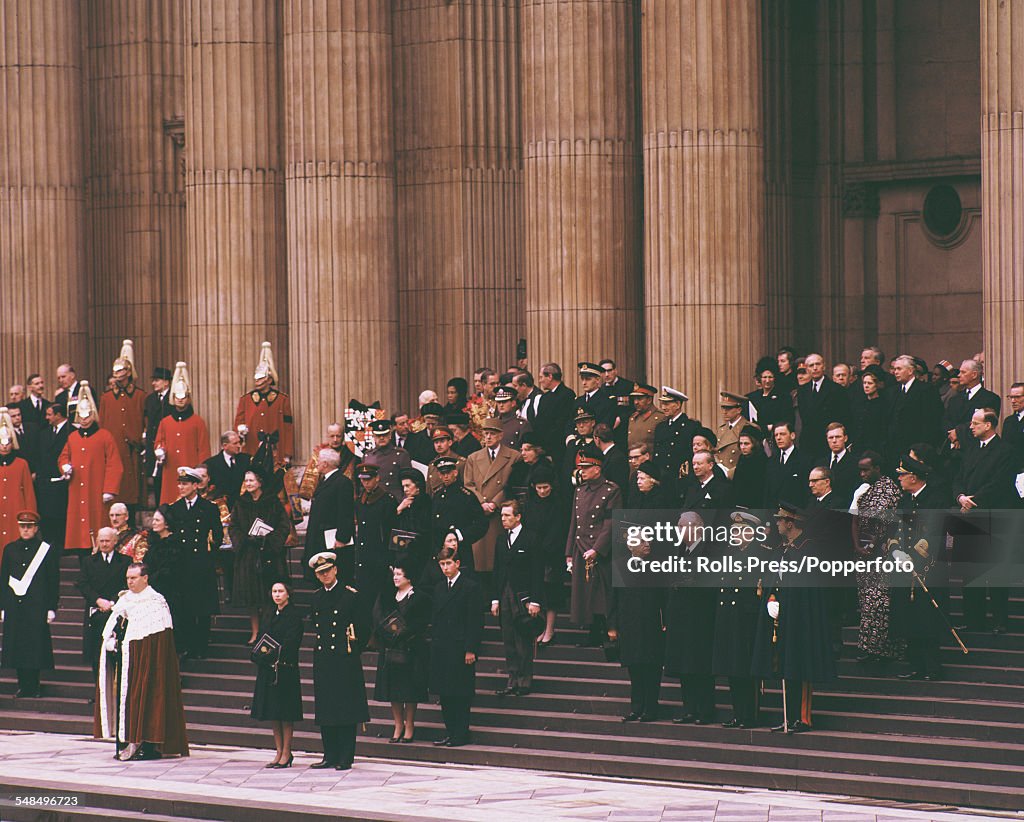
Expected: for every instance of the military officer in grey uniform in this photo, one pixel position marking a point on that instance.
(341, 628)
(513, 427)
(588, 551)
(389, 459)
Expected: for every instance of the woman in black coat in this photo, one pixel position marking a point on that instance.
(164, 558)
(869, 426)
(278, 694)
(751, 468)
(259, 560)
(401, 620)
(547, 513)
(636, 618)
(414, 516)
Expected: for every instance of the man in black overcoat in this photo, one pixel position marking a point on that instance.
(819, 402)
(916, 414)
(197, 523)
(787, 471)
(456, 632)
(29, 594)
(985, 483)
(331, 523)
(101, 580)
(227, 468)
(517, 589)
(673, 438)
(51, 486)
(341, 628)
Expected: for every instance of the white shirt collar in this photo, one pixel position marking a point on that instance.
(908, 383)
(788, 451)
(986, 442)
(513, 535)
(919, 490)
(454, 579)
(332, 471)
(400, 595)
(335, 585)
(972, 391)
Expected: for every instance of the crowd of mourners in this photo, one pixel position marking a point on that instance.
(500, 498)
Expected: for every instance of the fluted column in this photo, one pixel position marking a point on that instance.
(580, 183)
(339, 182)
(234, 188)
(704, 195)
(458, 156)
(1002, 185)
(44, 311)
(135, 80)
(778, 175)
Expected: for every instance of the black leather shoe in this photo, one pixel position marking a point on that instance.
(343, 766)
(685, 719)
(911, 675)
(457, 743)
(701, 721)
(440, 743)
(323, 763)
(775, 729)
(632, 716)
(521, 692)
(649, 717)
(998, 629)
(144, 754)
(732, 723)
(800, 727)
(506, 691)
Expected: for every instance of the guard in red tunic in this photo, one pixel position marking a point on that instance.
(266, 410)
(16, 492)
(92, 468)
(121, 410)
(182, 440)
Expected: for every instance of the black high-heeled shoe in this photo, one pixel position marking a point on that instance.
(405, 740)
(288, 764)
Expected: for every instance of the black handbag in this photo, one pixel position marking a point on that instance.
(392, 630)
(401, 540)
(266, 652)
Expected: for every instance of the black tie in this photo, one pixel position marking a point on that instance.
(491, 452)
(509, 537)
(782, 458)
(834, 461)
(451, 582)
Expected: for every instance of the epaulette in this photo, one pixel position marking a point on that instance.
(417, 425)
(350, 588)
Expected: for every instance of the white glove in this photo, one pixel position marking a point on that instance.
(1, 616)
(66, 469)
(160, 453)
(50, 616)
(901, 556)
(773, 609)
(108, 497)
(243, 430)
(110, 644)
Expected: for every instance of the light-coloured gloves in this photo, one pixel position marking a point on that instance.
(108, 497)
(773, 609)
(50, 616)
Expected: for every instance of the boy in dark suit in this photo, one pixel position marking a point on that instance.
(456, 631)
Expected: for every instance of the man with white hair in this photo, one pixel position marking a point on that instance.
(331, 512)
(101, 581)
(916, 414)
(129, 541)
(972, 396)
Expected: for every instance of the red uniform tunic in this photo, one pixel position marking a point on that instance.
(95, 470)
(121, 414)
(16, 494)
(266, 413)
(185, 439)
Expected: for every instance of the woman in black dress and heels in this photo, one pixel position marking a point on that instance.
(547, 512)
(401, 619)
(278, 695)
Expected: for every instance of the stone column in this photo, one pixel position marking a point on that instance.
(458, 156)
(704, 196)
(339, 182)
(234, 187)
(581, 178)
(1002, 185)
(44, 310)
(135, 81)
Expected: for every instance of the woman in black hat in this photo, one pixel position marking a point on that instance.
(751, 468)
(547, 512)
(258, 530)
(414, 517)
(401, 617)
(278, 695)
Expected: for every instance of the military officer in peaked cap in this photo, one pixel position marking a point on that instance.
(513, 427)
(593, 398)
(673, 438)
(388, 458)
(645, 418)
(341, 628)
(454, 506)
(584, 424)
(588, 550)
(734, 420)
